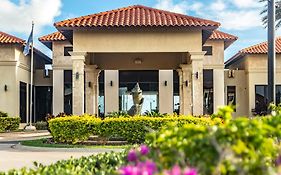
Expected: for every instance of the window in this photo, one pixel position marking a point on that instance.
(208, 80)
(68, 92)
(261, 99)
(208, 50)
(278, 94)
(67, 50)
(231, 95)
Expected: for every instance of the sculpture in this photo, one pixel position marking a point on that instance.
(138, 101)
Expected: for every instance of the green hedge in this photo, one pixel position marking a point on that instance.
(101, 164)
(132, 129)
(9, 123)
(72, 129)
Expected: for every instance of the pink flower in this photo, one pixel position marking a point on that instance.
(191, 171)
(144, 150)
(132, 156)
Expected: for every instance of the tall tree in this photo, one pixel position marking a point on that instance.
(277, 13)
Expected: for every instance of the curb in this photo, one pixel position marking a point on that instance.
(20, 147)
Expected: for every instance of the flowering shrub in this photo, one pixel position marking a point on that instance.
(239, 146)
(139, 165)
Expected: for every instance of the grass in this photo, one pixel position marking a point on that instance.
(40, 143)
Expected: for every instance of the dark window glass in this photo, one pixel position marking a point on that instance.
(67, 50)
(231, 95)
(278, 94)
(68, 91)
(208, 50)
(176, 88)
(208, 92)
(148, 82)
(43, 98)
(101, 94)
(261, 99)
(23, 99)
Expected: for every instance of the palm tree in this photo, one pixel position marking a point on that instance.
(277, 14)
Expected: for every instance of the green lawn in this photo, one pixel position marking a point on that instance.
(40, 143)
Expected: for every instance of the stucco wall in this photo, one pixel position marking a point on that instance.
(240, 81)
(59, 60)
(137, 41)
(217, 58)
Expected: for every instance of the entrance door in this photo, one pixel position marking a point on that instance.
(43, 102)
(23, 96)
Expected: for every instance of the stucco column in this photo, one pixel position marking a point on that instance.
(58, 91)
(185, 90)
(218, 75)
(166, 91)
(92, 74)
(78, 63)
(197, 82)
(111, 91)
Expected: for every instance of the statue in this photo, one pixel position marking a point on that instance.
(138, 101)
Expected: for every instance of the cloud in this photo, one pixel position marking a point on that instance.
(169, 5)
(17, 17)
(247, 3)
(218, 5)
(232, 14)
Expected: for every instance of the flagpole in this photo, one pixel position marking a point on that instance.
(30, 127)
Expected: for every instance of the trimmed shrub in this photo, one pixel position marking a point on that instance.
(9, 123)
(134, 129)
(41, 125)
(131, 129)
(72, 129)
(239, 146)
(3, 114)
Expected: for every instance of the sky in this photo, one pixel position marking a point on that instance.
(238, 17)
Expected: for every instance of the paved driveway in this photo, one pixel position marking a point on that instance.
(13, 155)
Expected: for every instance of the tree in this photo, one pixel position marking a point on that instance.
(277, 14)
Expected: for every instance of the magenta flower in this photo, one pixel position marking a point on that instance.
(132, 156)
(144, 150)
(191, 171)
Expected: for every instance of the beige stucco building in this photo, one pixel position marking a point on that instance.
(178, 61)
(15, 79)
(249, 70)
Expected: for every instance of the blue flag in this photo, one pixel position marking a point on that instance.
(29, 42)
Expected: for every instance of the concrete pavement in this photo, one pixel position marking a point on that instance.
(15, 156)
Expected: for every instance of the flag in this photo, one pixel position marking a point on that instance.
(29, 42)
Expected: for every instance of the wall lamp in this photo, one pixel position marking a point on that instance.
(166, 83)
(89, 84)
(5, 88)
(197, 75)
(77, 75)
(186, 83)
(111, 83)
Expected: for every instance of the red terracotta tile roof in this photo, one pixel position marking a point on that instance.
(9, 39)
(219, 35)
(136, 15)
(56, 36)
(262, 48)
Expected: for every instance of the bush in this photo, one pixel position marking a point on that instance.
(9, 123)
(72, 129)
(41, 125)
(135, 128)
(132, 129)
(101, 164)
(3, 114)
(239, 146)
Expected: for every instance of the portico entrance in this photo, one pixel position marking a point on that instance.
(153, 71)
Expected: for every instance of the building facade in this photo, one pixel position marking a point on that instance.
(178, 61)
(15, 80)
(249, 77)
